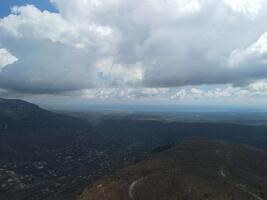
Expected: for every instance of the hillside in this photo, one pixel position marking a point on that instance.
(24, 125)
(20, 116)
(38, 149)
(193, 169)
(50, 156)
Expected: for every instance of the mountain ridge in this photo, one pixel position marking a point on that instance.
(22, 116)
(193, 169)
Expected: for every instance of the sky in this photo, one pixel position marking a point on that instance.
(171, 52)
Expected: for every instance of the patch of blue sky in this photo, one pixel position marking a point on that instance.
(6, 5)
(103, 77)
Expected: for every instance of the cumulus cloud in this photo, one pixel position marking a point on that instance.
(255, 89)
(6, 58)
(255, 54)
(196, 93)
(30, 22)
(94, 44)
(123, 93)
(246, 7)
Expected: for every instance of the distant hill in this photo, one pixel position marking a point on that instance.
(24, 126)
(23, 117)
(193, 169)
(16, 108)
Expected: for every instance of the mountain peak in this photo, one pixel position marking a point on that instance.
(13, 102)
(15, 108)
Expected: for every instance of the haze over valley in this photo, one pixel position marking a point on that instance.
(46, 155)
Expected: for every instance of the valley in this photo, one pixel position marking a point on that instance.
(51, 156)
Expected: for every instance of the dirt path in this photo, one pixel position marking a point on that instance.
(239, 186)
(131, 188)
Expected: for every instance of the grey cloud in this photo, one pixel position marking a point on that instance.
(46, 67)
(166, 43)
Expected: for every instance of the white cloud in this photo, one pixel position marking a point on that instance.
(258, 88)
(104, 93)
(30, 22)
(112, 73)
(181, 94)
(6, 58)
(246, 7)
(216, 93)
(124, 93)
(135, 44)
(255, 54)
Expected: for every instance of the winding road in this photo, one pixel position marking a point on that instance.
(222, 173)
(131, 188)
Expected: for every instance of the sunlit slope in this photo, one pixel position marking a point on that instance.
(194, 169)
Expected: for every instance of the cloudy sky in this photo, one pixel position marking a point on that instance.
(145, 51)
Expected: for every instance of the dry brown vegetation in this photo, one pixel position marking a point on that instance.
(195, 170)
